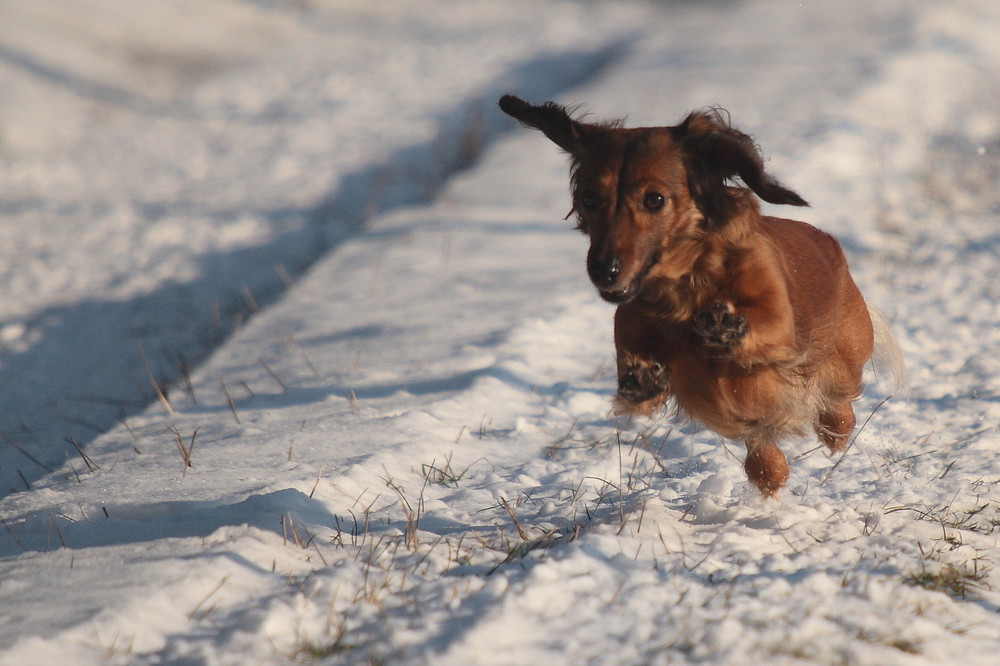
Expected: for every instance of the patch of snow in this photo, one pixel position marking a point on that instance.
(409, 457)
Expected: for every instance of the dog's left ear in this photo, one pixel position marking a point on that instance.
(717, 153)
(552, 119)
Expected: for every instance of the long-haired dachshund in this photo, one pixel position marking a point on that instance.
(751, 324)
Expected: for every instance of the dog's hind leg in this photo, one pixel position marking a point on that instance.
(841, 383)
(835, 425)
(766, 466)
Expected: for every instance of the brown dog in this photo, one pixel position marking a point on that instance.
(752, 324)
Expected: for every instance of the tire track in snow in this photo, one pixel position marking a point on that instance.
(69, 384)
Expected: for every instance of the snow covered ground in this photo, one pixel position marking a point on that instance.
(166, 166)
(405, 456)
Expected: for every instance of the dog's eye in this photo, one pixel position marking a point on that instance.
(589, 200)
(653, 201)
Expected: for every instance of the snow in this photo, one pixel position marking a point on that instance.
(391, 378)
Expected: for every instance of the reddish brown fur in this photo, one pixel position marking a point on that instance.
(752, 325)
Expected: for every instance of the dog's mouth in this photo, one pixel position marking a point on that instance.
(619, 296)
(632, 289)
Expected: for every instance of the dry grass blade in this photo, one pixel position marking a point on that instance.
(17, 447)
(185, 450)
(208, 596)
(54, 524)
(229, 400)
(12, 535)
(91, 465)
(186, 377)
(293, 344)
(135, 439)
(275, 377)
(412, 516)
(288, 528)
(250, 300)
(510, 512)
(160, 394)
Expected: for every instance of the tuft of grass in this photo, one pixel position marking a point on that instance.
(963, 581)
(314, 650)
(954, 581)
(981, 518)
(335, 645)
(382, 533)
(412, 515)
(958, 581)
(444, 475)
(112, 650)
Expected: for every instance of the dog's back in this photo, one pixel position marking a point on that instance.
(829, 308)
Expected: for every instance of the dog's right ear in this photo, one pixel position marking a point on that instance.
(551, 118)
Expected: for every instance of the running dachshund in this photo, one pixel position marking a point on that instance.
(751, 325)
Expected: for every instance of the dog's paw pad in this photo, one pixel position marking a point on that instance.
(721, 326)
(641, 381)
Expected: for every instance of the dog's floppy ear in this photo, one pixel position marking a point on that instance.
(551, 118)
(717, 153)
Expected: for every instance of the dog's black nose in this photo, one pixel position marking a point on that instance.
(605, 272)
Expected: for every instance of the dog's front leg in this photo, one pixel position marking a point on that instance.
(758, 332)
(753, 322)
(643, 384)
(720, 326)
(643, 379)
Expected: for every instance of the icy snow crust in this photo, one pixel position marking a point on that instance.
(406, 456)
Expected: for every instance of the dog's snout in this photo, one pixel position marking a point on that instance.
(604, 272)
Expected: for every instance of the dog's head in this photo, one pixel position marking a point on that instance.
(649, 197)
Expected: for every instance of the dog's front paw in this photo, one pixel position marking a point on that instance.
(721, 326)
(642, 380)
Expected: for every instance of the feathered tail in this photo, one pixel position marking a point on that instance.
(887, 360)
